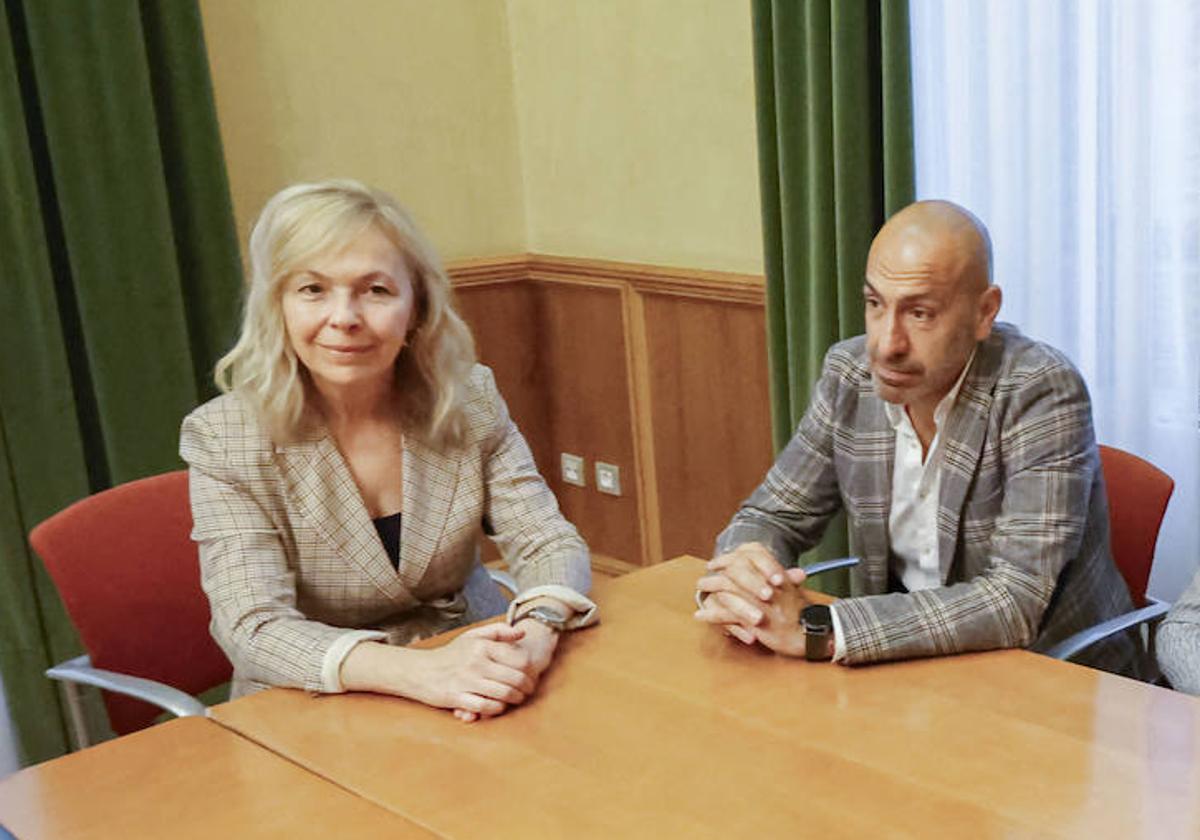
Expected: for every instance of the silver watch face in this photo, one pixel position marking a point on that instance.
(548, 616)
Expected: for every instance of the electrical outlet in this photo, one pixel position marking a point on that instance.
(608, 478)
(572, 470)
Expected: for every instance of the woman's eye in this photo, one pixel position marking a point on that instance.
(379, 289)
(310, 289)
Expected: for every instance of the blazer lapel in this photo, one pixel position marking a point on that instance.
(324, 492)
(430, 482)
(962, 443)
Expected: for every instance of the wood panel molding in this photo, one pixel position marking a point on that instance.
(631, 364)
(611, 566)
(646, 279)
(488, 270)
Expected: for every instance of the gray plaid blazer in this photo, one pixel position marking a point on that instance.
(292, 563)
(1022, 509)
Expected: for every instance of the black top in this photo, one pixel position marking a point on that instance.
(389, 532)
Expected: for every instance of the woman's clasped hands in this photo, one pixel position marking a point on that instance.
(480, 673)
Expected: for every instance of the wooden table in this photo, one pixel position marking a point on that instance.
(652, 725)
(183, 779)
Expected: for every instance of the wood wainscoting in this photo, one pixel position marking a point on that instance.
(660, 371)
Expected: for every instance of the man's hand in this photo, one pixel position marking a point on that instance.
(754, 599)
(739, 583)
(780, 629)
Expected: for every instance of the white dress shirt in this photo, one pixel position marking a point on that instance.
(912, 520)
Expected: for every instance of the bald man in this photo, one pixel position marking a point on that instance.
(963, 455)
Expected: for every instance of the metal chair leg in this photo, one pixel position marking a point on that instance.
(70, 693)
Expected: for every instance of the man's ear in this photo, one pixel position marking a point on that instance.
(989, 307)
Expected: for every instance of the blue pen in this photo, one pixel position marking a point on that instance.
(829, 565)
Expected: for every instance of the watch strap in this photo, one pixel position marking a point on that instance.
(817, 621)
(553, 618)
(584, 615)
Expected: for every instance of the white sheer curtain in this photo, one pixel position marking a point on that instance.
(1073, 130)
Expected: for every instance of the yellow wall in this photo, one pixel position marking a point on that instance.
(637, 130)
(410, 95)
(621, 129)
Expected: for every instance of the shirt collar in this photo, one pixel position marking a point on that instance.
(896, 413)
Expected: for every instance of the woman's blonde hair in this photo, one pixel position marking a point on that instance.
(305, 221)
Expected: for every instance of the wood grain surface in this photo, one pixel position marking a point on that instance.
(652, 725)
(188, 778)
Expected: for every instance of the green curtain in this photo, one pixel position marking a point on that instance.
(834, 97)
(121, 272)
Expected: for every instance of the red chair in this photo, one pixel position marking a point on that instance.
(1138, 493)
(128, 572)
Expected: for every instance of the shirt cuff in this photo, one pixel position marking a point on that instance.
(585, 609)
(839, 642)
(331, 665)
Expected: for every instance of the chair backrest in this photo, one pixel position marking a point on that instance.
(129, 575)
(1138, 493)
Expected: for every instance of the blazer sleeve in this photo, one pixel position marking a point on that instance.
(1049, 458)
(1178, 641)
(245, 573)
(540, 546)
(790, 510)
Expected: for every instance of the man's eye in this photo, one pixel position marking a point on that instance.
(872, 303)
(922, 314)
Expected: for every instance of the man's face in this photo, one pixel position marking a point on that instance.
(923, 322)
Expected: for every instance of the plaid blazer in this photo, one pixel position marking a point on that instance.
(293, 566)
(1022, 510)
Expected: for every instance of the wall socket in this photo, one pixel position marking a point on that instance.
(573, 471)
(608, 478)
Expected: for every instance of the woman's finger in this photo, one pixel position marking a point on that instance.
(506, 694)
(519, 680)
(497, 631)
(478, 705)
(510, 655)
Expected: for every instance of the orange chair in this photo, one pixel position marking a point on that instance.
(128, 572)
(1138, 493)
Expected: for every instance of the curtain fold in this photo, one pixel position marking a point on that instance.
(121, 264)
(834, 105)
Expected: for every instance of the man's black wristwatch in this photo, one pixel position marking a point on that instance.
(817, 620)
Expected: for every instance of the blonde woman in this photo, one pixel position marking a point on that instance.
(340, 483)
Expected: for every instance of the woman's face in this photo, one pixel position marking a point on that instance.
(347, 313)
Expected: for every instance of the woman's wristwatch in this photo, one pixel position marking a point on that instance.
(551, 617)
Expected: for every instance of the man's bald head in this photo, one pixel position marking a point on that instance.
(939, 238)
(929, 300)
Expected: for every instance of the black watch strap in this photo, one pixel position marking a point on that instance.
(817, 620)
